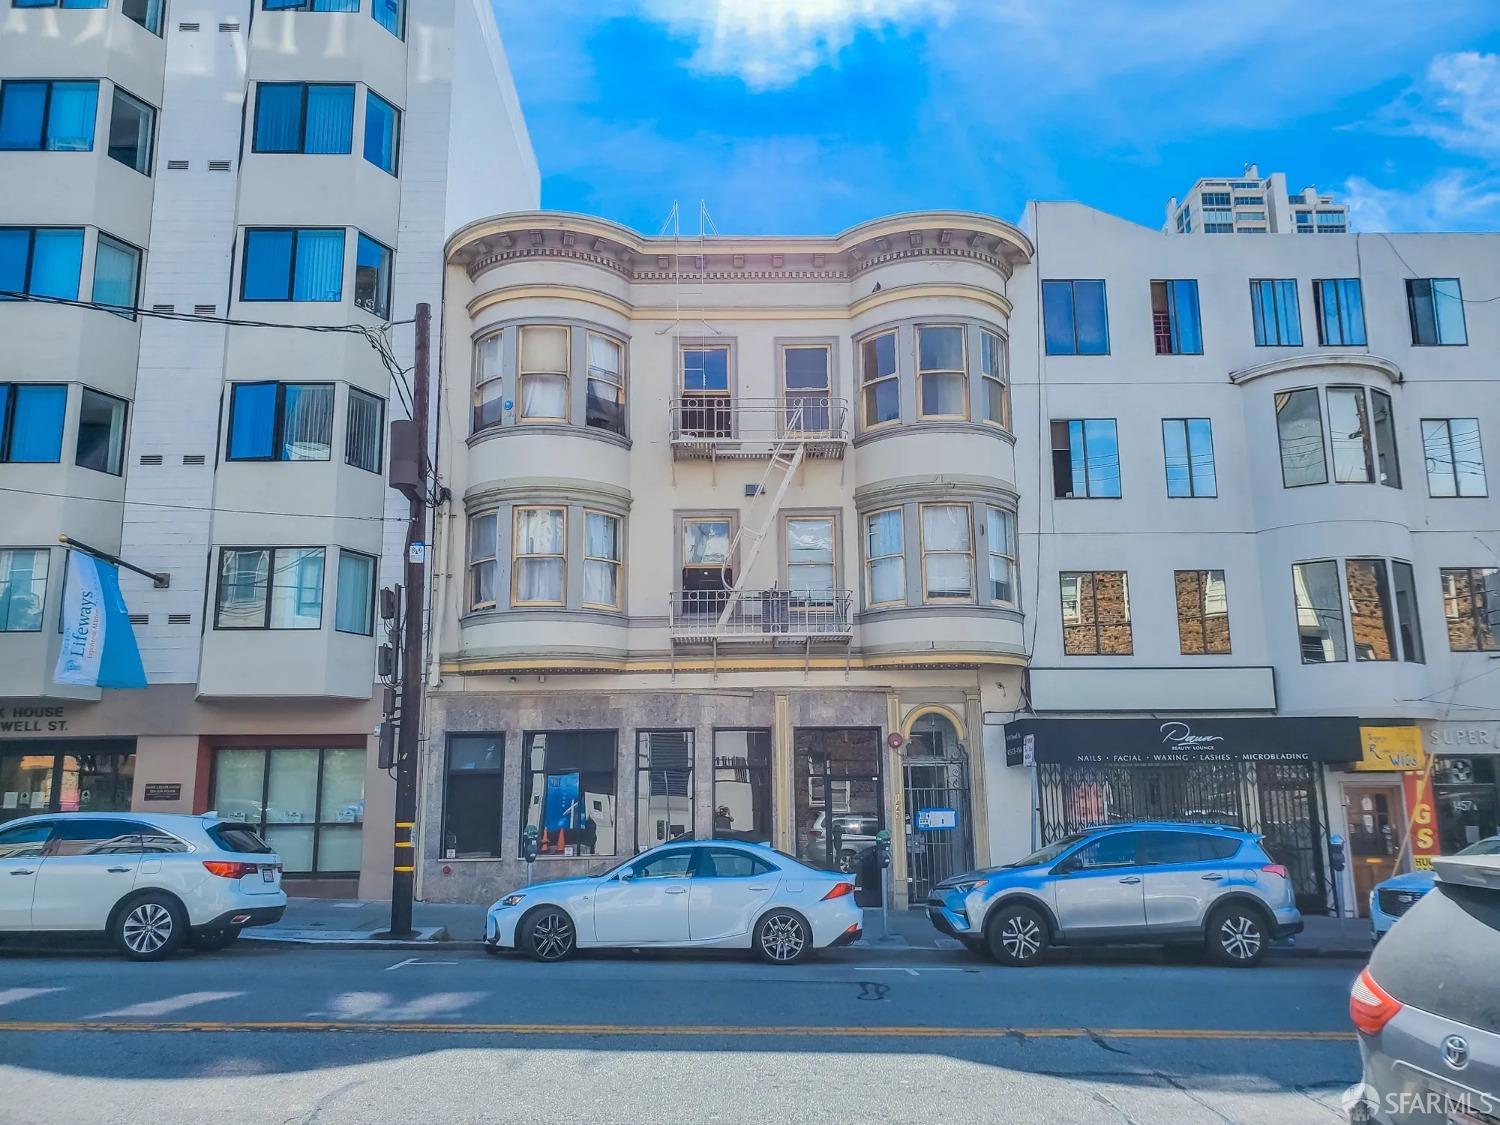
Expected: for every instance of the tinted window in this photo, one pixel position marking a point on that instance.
(729, 863)
(1117, 850)
(1220, 847)
(668, 865)
(234, 839)
(156, 842)
(24, 840)
(1172, 847)
(96, 837)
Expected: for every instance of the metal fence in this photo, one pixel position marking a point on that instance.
(761, 614)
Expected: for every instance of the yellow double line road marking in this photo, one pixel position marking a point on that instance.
(624, 1030)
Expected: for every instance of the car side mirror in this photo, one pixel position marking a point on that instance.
(1066, 867)
(626, 876)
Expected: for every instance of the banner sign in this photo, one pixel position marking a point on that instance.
(1171, 741)
(1423, 834)
(1397, 749)
(98, 643)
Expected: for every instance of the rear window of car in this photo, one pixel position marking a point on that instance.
(233, 838)
(1451, 936)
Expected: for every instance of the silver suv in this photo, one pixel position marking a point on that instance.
(1185, 885)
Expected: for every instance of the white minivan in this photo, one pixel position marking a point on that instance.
(150, 882)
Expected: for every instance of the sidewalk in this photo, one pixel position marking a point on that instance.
(315, 921)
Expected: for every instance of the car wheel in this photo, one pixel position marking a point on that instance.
(846, 863)
(1017, 936)
(1236, 935)
(207, 941)
(548, 935)
(782, 937)
(150, 928)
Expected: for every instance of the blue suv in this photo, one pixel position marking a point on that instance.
(1180, 885)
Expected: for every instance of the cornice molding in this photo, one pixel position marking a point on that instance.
(1367, 361)
(543, 490)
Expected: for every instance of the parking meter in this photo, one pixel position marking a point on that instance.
(883, 842)
(1336, 857)
(529, 848)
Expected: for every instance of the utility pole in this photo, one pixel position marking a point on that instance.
(409, 474)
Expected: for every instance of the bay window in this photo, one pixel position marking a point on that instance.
(31, 422)
(280, 422)
(942, 372)
(489, 386)
(1362, 436)
(101, 432)
(880, 390)
(283, 264)
(364, 431)
(372, 277)
(117, 271)
(382, 132)
(994, 388)
(539, 556)
(606, 384)
(41, 261)
(1320, 613)
(482, 561)
(947, 553)
(23, 588)
(1000, 534)
(42, 116)
(270, 588)
(885, 558)
(354, 609)
(1299, 429)
(544, 373)
(132, 126)
(303, 117)
(601, 561)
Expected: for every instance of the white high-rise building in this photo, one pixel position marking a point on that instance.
(1252, 204)
(274, 168)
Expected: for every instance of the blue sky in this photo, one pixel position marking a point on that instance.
(807, 116)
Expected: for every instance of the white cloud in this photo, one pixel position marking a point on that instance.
(1452, 200)
(769, 44)
(1457, 105)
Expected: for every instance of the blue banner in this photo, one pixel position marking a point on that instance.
(562, 810)
(98, 643)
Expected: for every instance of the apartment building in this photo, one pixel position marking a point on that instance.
(270, 185)
(1253, 204)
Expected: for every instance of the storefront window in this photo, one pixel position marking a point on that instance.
(569, 791)
(308, 805)
(92, 777)
(1467, 794)
(838, 803)
(664, 786)
(471, 796)
(742, 785)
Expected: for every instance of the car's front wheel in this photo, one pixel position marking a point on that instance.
(208, 941)
(783, 937)
(1017, 936)
(150, 928)
(548, 935)
(1236, 935)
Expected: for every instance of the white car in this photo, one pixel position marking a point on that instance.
(706, 894)
(149, 881)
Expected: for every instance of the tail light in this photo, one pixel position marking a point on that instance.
(1370, 1006)
(1276, 869)
(839, 890)
(229, 870)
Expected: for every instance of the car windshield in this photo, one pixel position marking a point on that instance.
(1484, 847)
(1049, 853)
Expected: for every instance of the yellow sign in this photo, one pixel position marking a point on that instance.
(1391, 749)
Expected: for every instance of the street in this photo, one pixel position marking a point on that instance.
(278, 1034)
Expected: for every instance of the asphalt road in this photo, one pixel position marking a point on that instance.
(273, 1034)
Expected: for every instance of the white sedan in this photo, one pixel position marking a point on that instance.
(706, 894)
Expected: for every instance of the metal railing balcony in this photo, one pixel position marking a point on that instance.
(716, 425)
(764, 616)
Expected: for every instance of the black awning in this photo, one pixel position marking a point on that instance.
(1193, 739)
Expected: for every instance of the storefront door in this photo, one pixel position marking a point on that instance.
(65, 775)
(839, 805)
(939, 834)
(1376, 831)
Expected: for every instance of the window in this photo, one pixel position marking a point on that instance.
(1471, 604)
(303, 117)
(1174, 318)
(31, 422)
(706, 572)
(280, 422)
(1340, 307)
(364, 432)
(472, 790)
(538, 556)
(706, 408)
(810, 567)
(1332, 222)
(995, 393)
(1114, 850)
(664, 786)
(270, 588)
(372, 277)
(568, 791)
(676, 864)
(605, 409)
(310, 5)
(1277, 316)
(147, 13)
(25, 841)
(59, 3)
(942, 379)
(1353, 412)
(1075, 317)
(1185, 847)
(885, 558)
(742, 785)
(354, 608)
(947, 553)
(729, 863)
(1299, 429)
(132, 124)
(1202, 613)
(1407, 619)
(601, 561)
(41, 261)
(389, 14)
(382, 132)
(1370, 615)
(1096, 613)
(544, 373)
(1188, 447)
(1217, 228)
(1454, 457)
(293, 265)
(804, 380)
(48, 116)
(101, 432)
(482, 562)
(1215, 199)
(880, 389)
(1436, 305)
(1085, 459)
(308, 805)
(117, 270)
(489, 386)
(23, 589)
(1000, 532)
(1320, 614)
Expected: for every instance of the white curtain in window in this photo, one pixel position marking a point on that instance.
(884, 547)
(809, 549)
(539, 531)
(705, 542)
(600, 569)
(945, 528)
(539, 580)
(544, 396)
(307, 422)
(604, 358)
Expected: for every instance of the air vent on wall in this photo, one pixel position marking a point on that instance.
(150, 458)
(179, 619)
(163, 308)
(177, 165)
(205, 310)
(187, 27)
(139, 619)
(231, 26)
(192, 458)
(218, 165)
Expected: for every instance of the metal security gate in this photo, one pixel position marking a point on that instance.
(936, 853)
(1277, 799)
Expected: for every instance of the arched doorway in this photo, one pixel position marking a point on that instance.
(939, 831)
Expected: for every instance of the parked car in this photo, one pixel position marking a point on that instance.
(1198, 886)
(1427, 1006)
(854, 835)
(150, 882)
(713, 894)
(1395, 896)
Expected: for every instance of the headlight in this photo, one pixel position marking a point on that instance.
(967, 885)
(512, 900)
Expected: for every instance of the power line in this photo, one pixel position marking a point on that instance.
(203, 507)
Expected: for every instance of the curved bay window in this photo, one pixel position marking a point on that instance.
(606, 384)
(947, 553)
(543, 373)
(539, 556)
(942, 372)
(880, 387)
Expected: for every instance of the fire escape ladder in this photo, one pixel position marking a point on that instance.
(759, 519)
